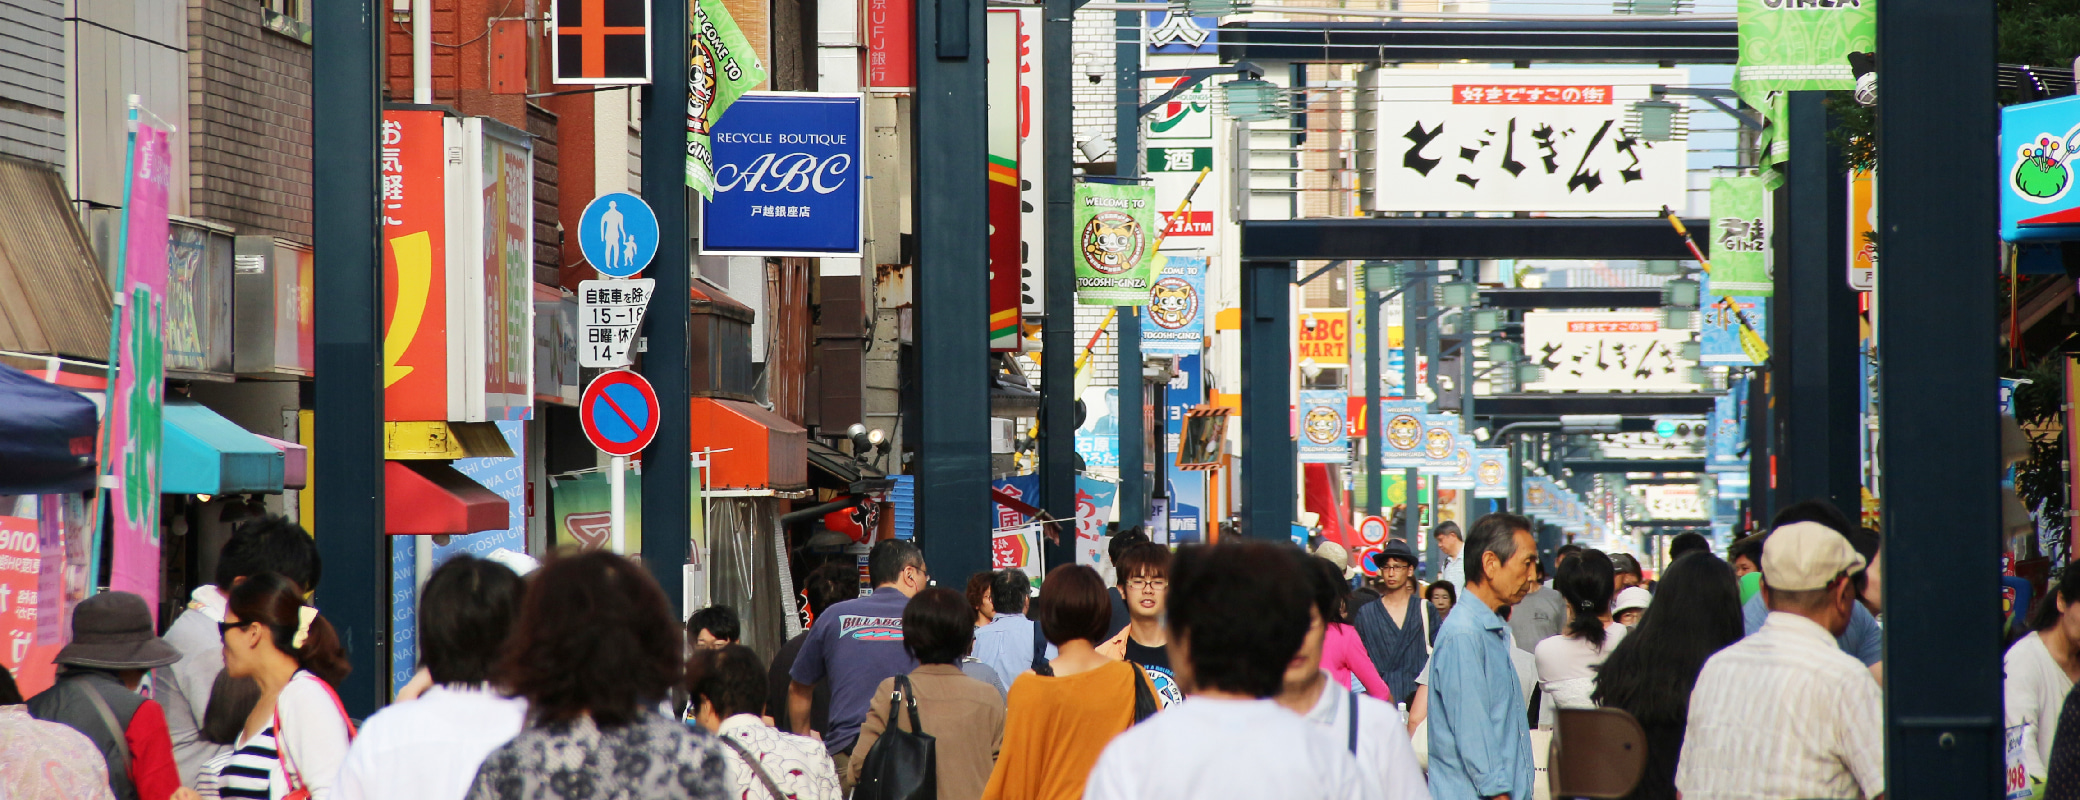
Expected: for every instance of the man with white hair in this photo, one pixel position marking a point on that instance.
(1784, 713)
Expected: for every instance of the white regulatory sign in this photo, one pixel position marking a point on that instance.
(609, 314)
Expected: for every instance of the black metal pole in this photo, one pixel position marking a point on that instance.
(1818, 364)
(1133, 484)
(347, 334)
(1937, 318)
(667, 469)
(1058, 333)
(953, 461)
(1762, 439)
(1415, 303)
(1373, 385)
(1268, 453)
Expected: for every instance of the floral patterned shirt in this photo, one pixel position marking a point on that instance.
(48, 760)
(653, 757)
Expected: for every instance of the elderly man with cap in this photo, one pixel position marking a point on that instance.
(96, 694)
(1784, 713)
(1398, 629)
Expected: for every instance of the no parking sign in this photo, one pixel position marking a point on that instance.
(619, 413)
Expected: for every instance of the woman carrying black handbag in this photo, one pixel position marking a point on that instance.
(955, 724)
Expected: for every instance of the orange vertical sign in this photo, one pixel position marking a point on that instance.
(415, 297)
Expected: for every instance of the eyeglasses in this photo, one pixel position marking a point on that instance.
(1150, 584)
(227, 627)
(1396, 566)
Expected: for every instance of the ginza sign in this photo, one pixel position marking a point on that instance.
(1520, 140)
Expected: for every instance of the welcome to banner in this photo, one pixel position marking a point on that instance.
(1115, 244)
(721, 66)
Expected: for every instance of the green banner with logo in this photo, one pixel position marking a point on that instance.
(1115, 243)
(1797, 46)
(721, 65)
(1740, 237)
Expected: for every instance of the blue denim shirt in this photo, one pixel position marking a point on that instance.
(1006, 645)
(1480, 739)
(1863, 638)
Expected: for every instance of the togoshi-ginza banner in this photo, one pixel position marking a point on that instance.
(1520, 140)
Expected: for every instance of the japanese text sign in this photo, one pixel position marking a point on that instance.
(1740, 237)
(789, 177)
(416, 372)
(1549, 141)
(139, 397)
(1603, 351)
(609, 314)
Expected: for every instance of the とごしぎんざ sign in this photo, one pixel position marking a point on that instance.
(789, 177)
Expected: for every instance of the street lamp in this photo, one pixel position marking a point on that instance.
(1458, 294)
(1680, 292)
(1254, 100)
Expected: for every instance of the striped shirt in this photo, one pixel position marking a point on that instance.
(242, 772)
(1784, 714)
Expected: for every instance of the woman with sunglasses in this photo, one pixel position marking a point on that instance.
(297, 734)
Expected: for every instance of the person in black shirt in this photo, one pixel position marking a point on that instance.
(1144, 578)
(1114, 547)
(826, 586)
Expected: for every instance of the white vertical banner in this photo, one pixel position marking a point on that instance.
(1032, 169)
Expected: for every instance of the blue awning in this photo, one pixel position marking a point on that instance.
(204, 453)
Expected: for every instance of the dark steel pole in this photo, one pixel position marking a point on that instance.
(1415, 301)
(1268, 453)
(1937, 319)
(1058, 346)
(667, 467)
(1373, 500)
(347, 333)
(1818, 362)
(953, 461)
(1133, 483)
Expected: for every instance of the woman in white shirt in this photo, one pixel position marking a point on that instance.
(298, 731)
(1567, 663)
(430, 748)
(2040, 671)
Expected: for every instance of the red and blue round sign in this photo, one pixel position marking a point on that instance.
(619, 412)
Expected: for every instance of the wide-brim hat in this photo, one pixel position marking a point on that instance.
(1397, 549)
(113, 630)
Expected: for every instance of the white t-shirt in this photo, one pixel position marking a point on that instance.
(1208, 749)
(1567, 670)
(311, 739)
(2035, 690)
(1386, 757)
(429, 748)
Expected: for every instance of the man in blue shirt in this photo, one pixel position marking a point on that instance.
(1006, 643)
(855, 645)
(1480, 740)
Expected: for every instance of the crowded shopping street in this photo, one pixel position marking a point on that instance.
(1039, 400)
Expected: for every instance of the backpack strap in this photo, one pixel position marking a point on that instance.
(108, 718)
(1145, 704)
(756, 768)
(1354, 722)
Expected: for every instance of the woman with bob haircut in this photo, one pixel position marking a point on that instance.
(595, 654)
(1056, 726)
(965, 715)
(297, 733)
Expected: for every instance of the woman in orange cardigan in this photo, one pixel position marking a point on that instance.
(1056, 724)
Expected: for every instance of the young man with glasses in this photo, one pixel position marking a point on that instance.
(1398, 630)
(1144, 580)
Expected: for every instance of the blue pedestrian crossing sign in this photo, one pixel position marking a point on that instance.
(618, 234)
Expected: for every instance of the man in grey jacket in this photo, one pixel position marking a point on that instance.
(1541, 614)
(269, 544)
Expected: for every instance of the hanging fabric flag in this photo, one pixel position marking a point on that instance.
(720, 65)
(1740, 238)
(1115, 247)
(1791, 46)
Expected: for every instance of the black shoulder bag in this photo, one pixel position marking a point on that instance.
(902, 765)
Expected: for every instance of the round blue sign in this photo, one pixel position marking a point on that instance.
(618, 234)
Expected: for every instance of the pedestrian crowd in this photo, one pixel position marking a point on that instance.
(1246, 669)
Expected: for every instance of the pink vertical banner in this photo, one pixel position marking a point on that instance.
(139, 395)
(28, 659)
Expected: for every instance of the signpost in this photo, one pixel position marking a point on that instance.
(619, 415)
(618, 234)
(609, 314)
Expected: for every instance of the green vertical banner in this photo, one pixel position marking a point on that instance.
(1115, 243)
(1740, 237)
(720, 66)
(1796, 46)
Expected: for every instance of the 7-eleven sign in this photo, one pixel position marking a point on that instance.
(601, 41)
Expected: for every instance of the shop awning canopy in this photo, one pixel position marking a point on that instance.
(200, 452)
(46, 436)
(295, 462)
(430, 497)
(765, 451)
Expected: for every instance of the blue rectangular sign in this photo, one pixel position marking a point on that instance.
(1174, 321)
(2037, 141)
(789, 177)
(1323, 432)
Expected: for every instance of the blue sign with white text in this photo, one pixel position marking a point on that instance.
(618, 234)
(789, 177)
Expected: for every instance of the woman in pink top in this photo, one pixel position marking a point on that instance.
(1343, 653)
